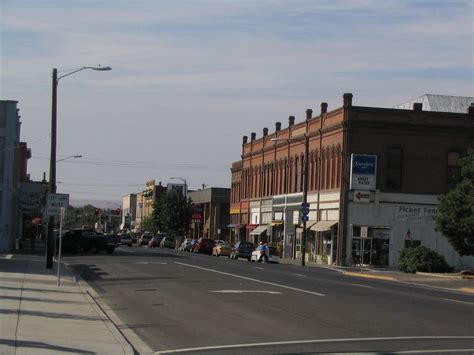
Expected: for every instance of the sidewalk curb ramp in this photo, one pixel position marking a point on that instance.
(137, 346)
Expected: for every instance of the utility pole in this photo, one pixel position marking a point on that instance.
(52, 170)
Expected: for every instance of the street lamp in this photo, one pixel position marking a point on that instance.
(185, 185)
(69, 157)
(52, 161)
(305, 139)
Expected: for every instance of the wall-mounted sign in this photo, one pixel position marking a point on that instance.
(415, 214)
(363, 172)
(362, 196)
(364, 232)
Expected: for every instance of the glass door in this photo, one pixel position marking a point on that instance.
(366, 251)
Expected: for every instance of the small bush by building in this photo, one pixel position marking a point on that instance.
(422, 259)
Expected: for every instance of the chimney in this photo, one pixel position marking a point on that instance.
(245, 139)
(324, 107)
(253, 135)
(417, 107)
(265, 132)
(470, 109)
(347, 99)
(291, 121)
(277, 126)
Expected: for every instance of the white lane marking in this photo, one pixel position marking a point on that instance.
(452, 300)
(8, 256)
(300, 275)
(313, 341)
(359, 285)
(247, 291)
(150, 262)
(432, 351)
(251, 279)
(260, 268)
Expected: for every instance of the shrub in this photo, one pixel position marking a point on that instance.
(422, 259)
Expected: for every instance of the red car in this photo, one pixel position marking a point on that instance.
(204, 245)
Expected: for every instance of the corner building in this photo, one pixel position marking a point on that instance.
(357, 216)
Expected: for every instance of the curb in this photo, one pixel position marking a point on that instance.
(376, 277)
(109, 319)
(441, 276)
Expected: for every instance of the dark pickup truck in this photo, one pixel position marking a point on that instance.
(83, 240)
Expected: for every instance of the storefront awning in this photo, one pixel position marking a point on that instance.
(259, 230)
(323, 226)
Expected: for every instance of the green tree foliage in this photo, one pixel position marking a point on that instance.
(150, 225)
(422, 259)
(172, 214)
(455, 218)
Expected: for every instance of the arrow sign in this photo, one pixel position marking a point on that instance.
(362, 196)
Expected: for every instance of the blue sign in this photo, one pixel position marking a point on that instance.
(364, 164)
(363, 172)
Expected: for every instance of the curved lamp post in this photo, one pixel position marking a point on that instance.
(52, 161)
(69, 157)
(305, 139)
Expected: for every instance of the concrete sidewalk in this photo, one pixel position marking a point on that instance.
(453, 282)
(38, 317)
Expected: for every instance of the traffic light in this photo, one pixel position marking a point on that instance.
(118, 211)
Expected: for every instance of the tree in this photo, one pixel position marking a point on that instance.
(172, 214)
(150, 225)
(455, 218)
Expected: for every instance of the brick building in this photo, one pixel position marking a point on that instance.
(414, 155)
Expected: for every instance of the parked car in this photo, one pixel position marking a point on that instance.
(223, 249)
(84, 240)
(204, 245)
(145, 238)
(113, 239)
(154, 242)
(272, 256)
(126, 239)
(187, 244)
(242, 250)
(168, 242)
(219, 241)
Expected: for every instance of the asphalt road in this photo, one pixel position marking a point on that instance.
(174, 300)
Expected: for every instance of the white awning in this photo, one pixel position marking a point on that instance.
(323, 226)
(259, 230)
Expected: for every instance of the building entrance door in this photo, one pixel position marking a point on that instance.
(362, 251)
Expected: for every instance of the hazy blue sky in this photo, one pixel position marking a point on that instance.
(190, 78)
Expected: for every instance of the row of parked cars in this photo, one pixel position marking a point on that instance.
(147, 239)
(245, 250)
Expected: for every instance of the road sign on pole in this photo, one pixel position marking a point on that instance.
(55, 203)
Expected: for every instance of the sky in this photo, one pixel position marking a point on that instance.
(190, 78)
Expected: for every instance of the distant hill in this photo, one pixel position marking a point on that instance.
(104, 204)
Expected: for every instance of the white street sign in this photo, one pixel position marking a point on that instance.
(55, 202)
(362, 196)
(364, 232)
